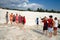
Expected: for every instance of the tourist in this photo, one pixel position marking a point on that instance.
(55, 26)
(16, 18)
(50, 25)
(45, 27)
(6, 17)
(20, 19)
(11, 18)
(37, 21)
(23, 20)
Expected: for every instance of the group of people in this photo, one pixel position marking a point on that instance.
(15, 18)
(50, 25)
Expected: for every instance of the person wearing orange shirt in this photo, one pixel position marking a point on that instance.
(11, 18)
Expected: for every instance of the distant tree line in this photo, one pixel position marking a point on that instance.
(38, 10)
(42, 10)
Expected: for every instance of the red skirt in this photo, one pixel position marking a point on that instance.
(55, 28)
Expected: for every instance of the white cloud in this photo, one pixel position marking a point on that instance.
(24, 4)
(32, 5)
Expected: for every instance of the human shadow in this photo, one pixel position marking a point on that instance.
(38, 31)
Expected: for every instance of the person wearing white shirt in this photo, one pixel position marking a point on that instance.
(55, 26)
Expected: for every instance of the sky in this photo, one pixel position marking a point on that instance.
(32, 4)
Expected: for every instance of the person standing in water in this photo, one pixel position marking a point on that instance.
(6, 17)
(55, 26)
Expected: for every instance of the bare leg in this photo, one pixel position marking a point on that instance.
(23, 27)
(50, 34)
(46, 32)
(55, 32)
(37, 26)
(43, 31)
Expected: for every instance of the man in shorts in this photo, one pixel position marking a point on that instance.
(50, 25)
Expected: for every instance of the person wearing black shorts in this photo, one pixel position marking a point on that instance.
(45, 27)
(14, 18)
